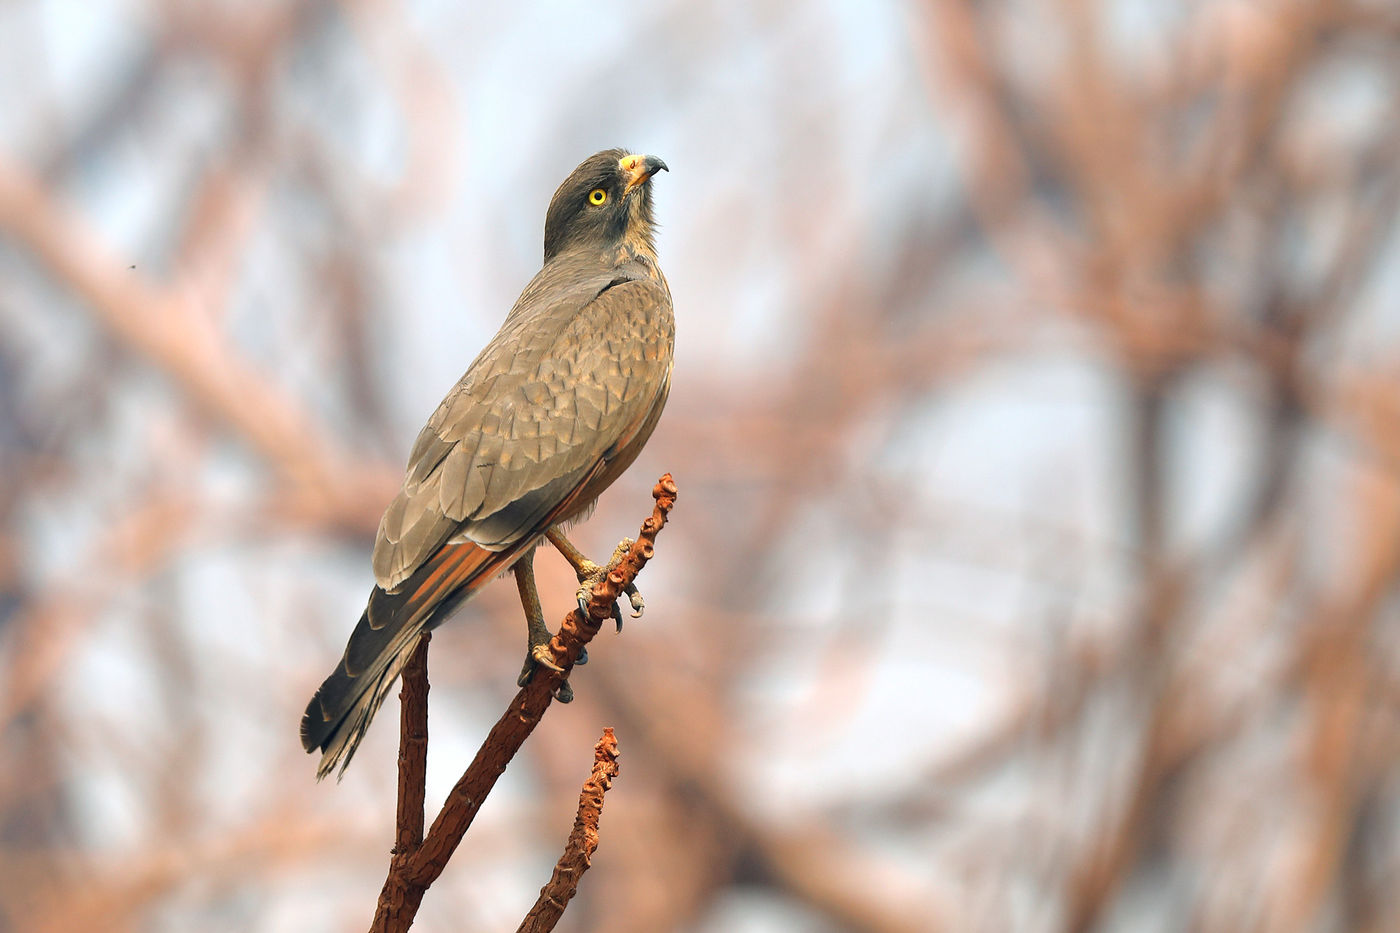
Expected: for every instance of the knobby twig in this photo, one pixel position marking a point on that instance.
(416, 865)
(583, 842)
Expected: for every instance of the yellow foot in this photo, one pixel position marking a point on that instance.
(541, 656)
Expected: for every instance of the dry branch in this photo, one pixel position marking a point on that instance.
(583, 842)
(415, 867)
(413, 749)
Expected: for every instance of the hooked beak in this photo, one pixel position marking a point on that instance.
(638, 168)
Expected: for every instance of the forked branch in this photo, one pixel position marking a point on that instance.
(415, 864)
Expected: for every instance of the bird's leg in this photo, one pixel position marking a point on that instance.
(584, 567)
(589, 572)
(537, 652)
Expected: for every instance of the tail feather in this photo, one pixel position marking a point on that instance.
(338, 715)
(338, 741)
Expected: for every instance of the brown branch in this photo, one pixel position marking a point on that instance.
(411, 873)
(413, 748)
(583, 842)
(397, 907)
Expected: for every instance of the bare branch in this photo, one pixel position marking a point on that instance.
(413, 748)
(411, 873)
(583, 842)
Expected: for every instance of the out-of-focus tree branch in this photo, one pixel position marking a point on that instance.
(180, 338)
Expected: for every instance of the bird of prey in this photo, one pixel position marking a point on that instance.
(554, 409)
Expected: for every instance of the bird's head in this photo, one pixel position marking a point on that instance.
(604, 203)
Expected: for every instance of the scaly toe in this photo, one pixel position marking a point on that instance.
(587, 570)
(564, 693)
(542, 656)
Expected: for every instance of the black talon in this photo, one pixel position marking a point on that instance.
(582, 657)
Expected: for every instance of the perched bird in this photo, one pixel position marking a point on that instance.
(555, 408)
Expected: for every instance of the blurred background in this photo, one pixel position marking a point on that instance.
(1036, 418)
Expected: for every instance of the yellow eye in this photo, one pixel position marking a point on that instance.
(597, 196)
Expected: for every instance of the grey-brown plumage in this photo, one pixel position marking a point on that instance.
(556, 406)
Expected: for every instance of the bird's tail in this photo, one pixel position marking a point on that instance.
(338, 715)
